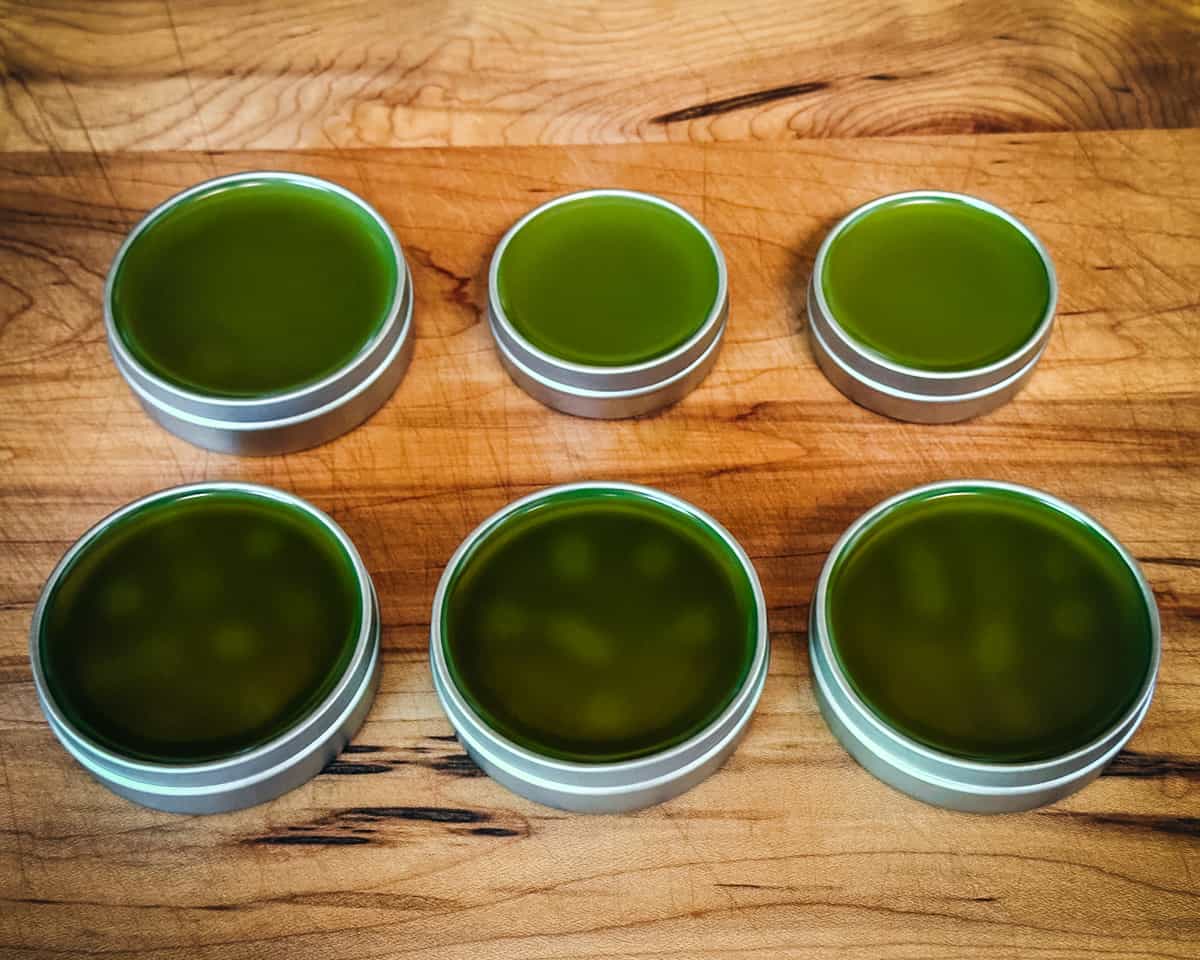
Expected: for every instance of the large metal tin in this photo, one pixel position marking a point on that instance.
(245, 779)
(600, 787)
(285, 422)
(940, 778)
(909, 393)
(603, 392)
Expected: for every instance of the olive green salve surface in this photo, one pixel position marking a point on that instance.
(200, 627)
(607, 280)
(936, 284)
(989, 626)
(254, 289)
(599, 628)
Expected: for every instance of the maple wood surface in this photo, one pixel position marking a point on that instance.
(279, 74)
(401, 847)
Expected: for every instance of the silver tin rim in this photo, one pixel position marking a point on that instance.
(258, 775)
(583, 382)
(928, 396)
(279, 422)
(600, 787)
(942, 778)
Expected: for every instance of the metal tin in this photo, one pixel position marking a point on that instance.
(603, 392)
(909, 393)
(261, 774)
(940, 778)
(599, 787)
(283, 422)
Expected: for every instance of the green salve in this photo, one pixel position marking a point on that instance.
(200, 627)
(989, 625)
(936, 284)
(254, 288)
(598, 627)
(607, 280)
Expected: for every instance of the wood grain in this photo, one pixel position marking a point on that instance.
(401, 848)
(279, 74)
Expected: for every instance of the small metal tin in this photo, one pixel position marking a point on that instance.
(909, 393)
(246, 779)
(599, 787)
(283, 422)
(604, 392)
(940, 778)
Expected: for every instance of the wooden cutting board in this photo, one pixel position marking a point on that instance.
(402, 848)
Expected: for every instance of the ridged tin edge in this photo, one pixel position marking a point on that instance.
(263, 773)
(276, 423)
(941, 778)
(601, 787)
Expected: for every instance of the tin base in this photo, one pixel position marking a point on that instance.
(608, 392)
(603, 788)
(912, 407)
(941, 791)
(610, 404)
(308, 427)
(935, 776)
(893, 389)
(600, 787)
(230, 783)
(248, 791)
(284, 422)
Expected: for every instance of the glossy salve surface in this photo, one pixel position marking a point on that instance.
(988, 625)
(200, 626)
(936, 284)
(598, 626)
(254, 288)
(607, 280)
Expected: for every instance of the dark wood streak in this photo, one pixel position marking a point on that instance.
(347, 768)
(458, 764)
(1129, 763)
(455, 764)
(361, 825)
(310, 840)
(1174, 826)
(741, 102)
(427, 814)
(1189, 562)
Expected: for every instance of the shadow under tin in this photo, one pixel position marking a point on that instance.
(598, 646)
(982, 646)
(207, 647)
(608, 303)
(930, 306)
(260, 313)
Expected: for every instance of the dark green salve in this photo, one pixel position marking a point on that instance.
(200, 627)
(254, 288)
(607, 280)
(989, 625)
(936, 284)
(598, 627)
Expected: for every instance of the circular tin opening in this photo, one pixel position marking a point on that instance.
(936, 282)
(608, 278)
(990, 623)
(596, 625)
(199, 624)
(254, 286)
